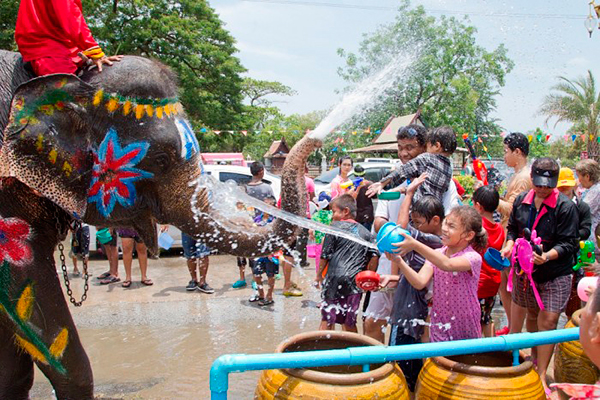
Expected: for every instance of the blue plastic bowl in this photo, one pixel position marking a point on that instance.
(495, 260)
(388, 234)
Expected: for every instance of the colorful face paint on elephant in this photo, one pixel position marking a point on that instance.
(189, 144)
(140, 106)
(15, 250)
(114, 175)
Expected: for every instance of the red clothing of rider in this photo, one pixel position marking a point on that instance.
(51, 33)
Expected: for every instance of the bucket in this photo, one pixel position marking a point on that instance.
(311, 250)
(165, 240)
(388, 234)
(495, 260)
(104, 236)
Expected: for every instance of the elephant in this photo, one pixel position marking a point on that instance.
(112, 149)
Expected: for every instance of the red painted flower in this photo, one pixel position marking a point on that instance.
(14, 234)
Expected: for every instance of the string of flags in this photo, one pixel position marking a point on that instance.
(284, 130)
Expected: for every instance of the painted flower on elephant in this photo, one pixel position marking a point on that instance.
(114, 173)
(14, 234)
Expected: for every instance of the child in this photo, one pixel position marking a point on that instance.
(344, 259)
(441, 143)
(410, 304)
(485, 201)
(455, 270)
(323, 216)
(264, 265)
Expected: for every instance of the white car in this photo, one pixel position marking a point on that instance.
(374, 171)
(224, 173)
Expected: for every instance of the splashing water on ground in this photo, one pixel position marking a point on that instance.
(365, 94)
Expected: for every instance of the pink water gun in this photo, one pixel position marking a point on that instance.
(523, 253)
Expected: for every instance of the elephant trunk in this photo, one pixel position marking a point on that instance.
(224, 231)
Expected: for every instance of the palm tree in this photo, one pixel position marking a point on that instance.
(577, 102)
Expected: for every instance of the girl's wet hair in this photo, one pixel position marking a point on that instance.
(341, 160)
(471, 221)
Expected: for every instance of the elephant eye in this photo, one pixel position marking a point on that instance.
(163, 161)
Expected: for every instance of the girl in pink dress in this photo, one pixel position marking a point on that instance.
(455, 268)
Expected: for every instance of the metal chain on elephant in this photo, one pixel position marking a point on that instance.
(63, 266)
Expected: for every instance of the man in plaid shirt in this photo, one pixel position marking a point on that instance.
(441, 143)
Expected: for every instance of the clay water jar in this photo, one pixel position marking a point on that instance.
(571, 365)
(383, 381)
(478, 376)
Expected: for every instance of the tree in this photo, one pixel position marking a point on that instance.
(260, 108)
(577, 102)
(8, 20)
(452, 80)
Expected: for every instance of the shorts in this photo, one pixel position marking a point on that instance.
(487, 304)
(193, 249)
(264, 265)
(80, 242)
(127, 233)
(341, 311)
(554, 293)
(54, 65)
(380, 305)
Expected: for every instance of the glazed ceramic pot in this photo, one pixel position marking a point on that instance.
(478, 376)
(383, 381)
(571, 365)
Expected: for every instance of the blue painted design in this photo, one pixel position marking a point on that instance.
(114, 175)
(189, 143)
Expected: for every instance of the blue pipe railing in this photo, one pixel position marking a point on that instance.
(228, 363)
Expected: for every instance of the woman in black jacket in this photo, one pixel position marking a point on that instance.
(554, 217)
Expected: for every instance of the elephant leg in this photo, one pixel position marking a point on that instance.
(72, 378)
(16, 374)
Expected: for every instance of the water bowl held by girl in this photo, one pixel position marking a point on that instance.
(495, 260)
(389, 234)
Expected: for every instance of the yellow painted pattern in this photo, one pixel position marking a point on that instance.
(25, 303)
(168, 110)
(60, 344)
(149, 110)
(112, 105)
(139, 111)
(52, 156)
(30, 349)
(67, 169)
(126, 108)
(39, 144)
(98, 97)
(159, 112)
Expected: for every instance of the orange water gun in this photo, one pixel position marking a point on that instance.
(478, 165)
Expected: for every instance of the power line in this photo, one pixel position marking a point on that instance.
(431, 11)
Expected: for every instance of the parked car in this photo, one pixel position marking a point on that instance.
(374, 172)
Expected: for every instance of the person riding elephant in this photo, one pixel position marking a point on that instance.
(113, 149)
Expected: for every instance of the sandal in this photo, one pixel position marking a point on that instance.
(265, 302)
(103, 276)
(147, 282)
(110, 279)
(126, 284)
(255, 298)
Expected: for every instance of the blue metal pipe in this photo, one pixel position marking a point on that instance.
(226, 364)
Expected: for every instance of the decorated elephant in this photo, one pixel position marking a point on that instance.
(111, 149)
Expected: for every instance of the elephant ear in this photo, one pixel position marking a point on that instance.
(47, 140)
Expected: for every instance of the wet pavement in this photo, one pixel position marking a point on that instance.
(158, 342)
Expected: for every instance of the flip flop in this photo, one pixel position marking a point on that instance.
(110, 279)
(126, 284)
(265, 302)
(147, 282)
(103, 276)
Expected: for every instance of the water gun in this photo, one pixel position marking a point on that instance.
(523, 253)
(478, 165)
(353, 182)
(586, 255)
(277, 258)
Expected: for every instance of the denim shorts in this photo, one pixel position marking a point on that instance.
(193, 248)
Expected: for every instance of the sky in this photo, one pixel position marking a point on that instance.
(295, 42)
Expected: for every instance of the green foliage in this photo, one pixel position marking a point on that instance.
(576, 101)
(8, 19)
(453, 80)
(467, 182)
